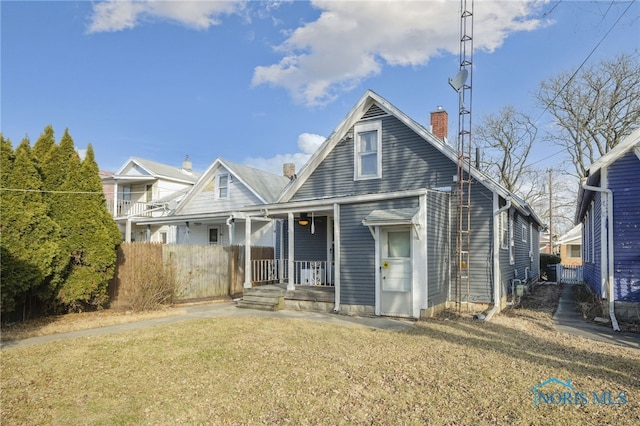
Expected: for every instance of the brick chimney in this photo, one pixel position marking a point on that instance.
(439, 123)
(289, 170)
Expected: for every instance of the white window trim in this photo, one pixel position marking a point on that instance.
(585, 242)
(512, 243)
(502, 228)
(524, 232)
(361, 128)
(219, 185)
(592, 244)
(531, 242)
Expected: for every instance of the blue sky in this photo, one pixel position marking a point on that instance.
(262, 83)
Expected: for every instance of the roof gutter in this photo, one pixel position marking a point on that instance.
(496, 264)
(612, 315)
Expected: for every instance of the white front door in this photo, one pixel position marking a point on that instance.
(396, 272)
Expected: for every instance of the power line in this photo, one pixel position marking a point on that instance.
(585, 61)
(578, 70)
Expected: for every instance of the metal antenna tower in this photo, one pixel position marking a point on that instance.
(463, 84)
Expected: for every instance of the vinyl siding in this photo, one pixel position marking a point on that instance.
(591, 269)
(308, 246)
(624, 181)
(480, 260)
(438, 247)
(357, 251)
(402, 151)
(206, 201)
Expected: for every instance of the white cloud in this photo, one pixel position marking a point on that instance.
(353, 40)
(117, 15)
(308, 144)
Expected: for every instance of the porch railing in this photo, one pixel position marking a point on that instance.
(129, 208)
(305, 272)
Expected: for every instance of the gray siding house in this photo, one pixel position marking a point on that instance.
(373, 214)
(609, 211)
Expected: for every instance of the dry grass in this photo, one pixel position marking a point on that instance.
(78, 321)
(279, 371)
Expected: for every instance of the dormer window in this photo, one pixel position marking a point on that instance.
(368, 150)
(223, 186)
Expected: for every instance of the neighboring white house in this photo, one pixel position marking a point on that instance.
(211, 212)
(569, 246)
(144, 189)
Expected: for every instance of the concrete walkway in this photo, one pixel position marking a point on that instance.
(567, 319)
(215, 310)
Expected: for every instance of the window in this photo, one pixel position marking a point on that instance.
(367, 151)
(512, 245)
(524, 233)
(163, 237)
(502, 230)
(214, 234)
(574, 250)
(223, 186)
(586, 239)
(126, 193)
(592, 254)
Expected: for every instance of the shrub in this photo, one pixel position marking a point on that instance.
(153, 286)
(548, 259)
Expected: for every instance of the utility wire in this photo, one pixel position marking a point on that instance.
(576, 72)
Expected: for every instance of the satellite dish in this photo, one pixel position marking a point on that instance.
(172, 204)
(459, 80)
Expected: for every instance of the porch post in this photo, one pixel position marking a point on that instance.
(291, 264)
(336, 254)
(247, 252)
(127, 232)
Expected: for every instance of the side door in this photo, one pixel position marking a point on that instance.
(396, 272)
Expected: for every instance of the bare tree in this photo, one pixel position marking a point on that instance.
(506, 139)
(594, 108)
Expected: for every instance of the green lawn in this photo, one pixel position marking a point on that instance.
(278, 371)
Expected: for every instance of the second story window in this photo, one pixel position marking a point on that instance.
(223, 186)
(368, 150)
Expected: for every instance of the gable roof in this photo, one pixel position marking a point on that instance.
(264, 185)
(267, 186)
(355, 114)
(631, 142)
(159, 170)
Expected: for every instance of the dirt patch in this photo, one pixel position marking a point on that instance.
(591, 308)
(542, 297)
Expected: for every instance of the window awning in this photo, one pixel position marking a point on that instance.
(391, 217)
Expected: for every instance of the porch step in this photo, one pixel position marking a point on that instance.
(262, 299)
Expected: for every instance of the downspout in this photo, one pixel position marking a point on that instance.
(496, 263)
(612, 315)
(231, 225)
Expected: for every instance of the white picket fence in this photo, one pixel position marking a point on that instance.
(568, 274)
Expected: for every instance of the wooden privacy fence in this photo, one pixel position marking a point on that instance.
(202, 271)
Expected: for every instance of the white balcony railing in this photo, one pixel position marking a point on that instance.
(125, 208)
(305, 272)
